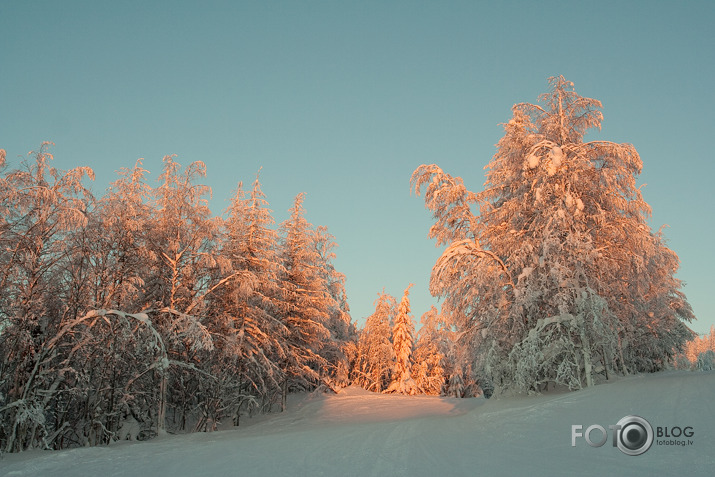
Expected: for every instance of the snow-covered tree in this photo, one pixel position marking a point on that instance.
(557, 277)
(403, 332)
(706, 360)
(305, 305)
(374, 364)
(141, 311)
(429, 359)
(243, 313)
(182, 237)
(105, 271)
(118, 242)
(338, 323)
(182, 242)
(41, 206)
(694, 348)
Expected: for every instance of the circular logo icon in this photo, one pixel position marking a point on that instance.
(635, 435)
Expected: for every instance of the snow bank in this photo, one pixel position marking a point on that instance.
(356, 433)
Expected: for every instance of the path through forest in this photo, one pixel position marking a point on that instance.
(357, 433)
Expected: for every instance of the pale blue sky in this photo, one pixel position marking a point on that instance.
(343, 100)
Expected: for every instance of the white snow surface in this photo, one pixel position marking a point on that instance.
(357, 433)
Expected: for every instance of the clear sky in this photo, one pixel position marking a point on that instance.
(343, 100)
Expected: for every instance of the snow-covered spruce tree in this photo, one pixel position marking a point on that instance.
(374, 364)
(305, 305)
(429, 359)
(558, 276)
(243, 313)
(343, 334)
(403, 332)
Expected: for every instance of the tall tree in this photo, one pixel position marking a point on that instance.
(41, 207)
(244, 312)
(105, 271)
(336, 350)
(182, 242)
(182, 236)
(305, 304)
(549, 279)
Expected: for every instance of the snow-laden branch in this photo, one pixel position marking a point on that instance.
(463, 248)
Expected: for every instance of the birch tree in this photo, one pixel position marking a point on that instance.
(182, 242)
(41, 205)
(118, 242)
(546, 269)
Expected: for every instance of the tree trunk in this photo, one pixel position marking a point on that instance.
(161, 411)
(284, 395)
(586, 354)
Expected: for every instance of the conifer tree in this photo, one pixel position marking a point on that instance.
(402, 340)
(375, 361)
(304, 306)
(338, 323)
(429, 359)
(243, 313)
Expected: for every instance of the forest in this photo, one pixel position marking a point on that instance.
(141, 312)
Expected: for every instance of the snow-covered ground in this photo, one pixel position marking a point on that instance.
(363, 434)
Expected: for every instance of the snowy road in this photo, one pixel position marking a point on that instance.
(360, 434)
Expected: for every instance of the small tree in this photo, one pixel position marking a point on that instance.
(430, 355)
(706, 360)
(402, 339)
(374, 364)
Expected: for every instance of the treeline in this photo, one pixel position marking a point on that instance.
(141, 312)
(391, 357)
(699, 353)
